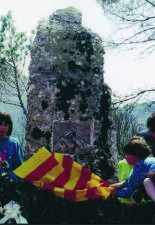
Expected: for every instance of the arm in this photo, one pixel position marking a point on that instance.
(20, 155)
(124, 170)
(17, 160)
(125, 192)
(118, 185)
(128, 188)
(124, 189)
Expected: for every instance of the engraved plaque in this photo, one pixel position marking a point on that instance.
(73, 136)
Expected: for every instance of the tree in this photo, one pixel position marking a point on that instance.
(135, 17)
(107, 1)
(123, 114)
(126, 126)
(14, 54)
(134, 29)
(137, 96)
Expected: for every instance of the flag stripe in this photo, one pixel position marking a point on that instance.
(52, 174)
(81, 195)
(48, 187)
(74, 176)
(91, 193)
(105, 184)
(84, 178)
(97, 178)
(58, 156)
(36, 160)
(41, 170)
(70, 195)
(63, 178)
(59, 191)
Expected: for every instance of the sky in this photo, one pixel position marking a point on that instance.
(122, 72)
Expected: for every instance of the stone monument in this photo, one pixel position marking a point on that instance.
(68, 102)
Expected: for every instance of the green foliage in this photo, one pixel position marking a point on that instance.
(15, 49)
(14, 45)
(43, 207)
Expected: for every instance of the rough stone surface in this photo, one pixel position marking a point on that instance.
(66, 84)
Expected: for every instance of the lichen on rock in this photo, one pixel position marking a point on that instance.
(66, 83)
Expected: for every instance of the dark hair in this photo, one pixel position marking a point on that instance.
(134, 138)
(138, 147)
(4, 116)
(151, 122)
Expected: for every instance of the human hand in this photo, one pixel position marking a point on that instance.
(150, 174)
(117, 185)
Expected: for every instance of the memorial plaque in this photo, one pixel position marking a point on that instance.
(73, 137)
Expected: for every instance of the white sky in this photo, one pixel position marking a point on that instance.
(122, 72)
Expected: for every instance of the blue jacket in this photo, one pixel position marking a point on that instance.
(136, 177)
(14, 154)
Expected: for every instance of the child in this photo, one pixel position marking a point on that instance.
(137, 153)
(11, 154)
(149, 135)
(124, 170)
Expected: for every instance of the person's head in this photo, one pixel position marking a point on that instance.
(136, 149)
(151, 122)
(134, 138)
(6, 124)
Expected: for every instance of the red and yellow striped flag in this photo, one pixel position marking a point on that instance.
(65, 177)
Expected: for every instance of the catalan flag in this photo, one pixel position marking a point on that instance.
(63, 176)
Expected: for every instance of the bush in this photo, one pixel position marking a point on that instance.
(40, 206)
